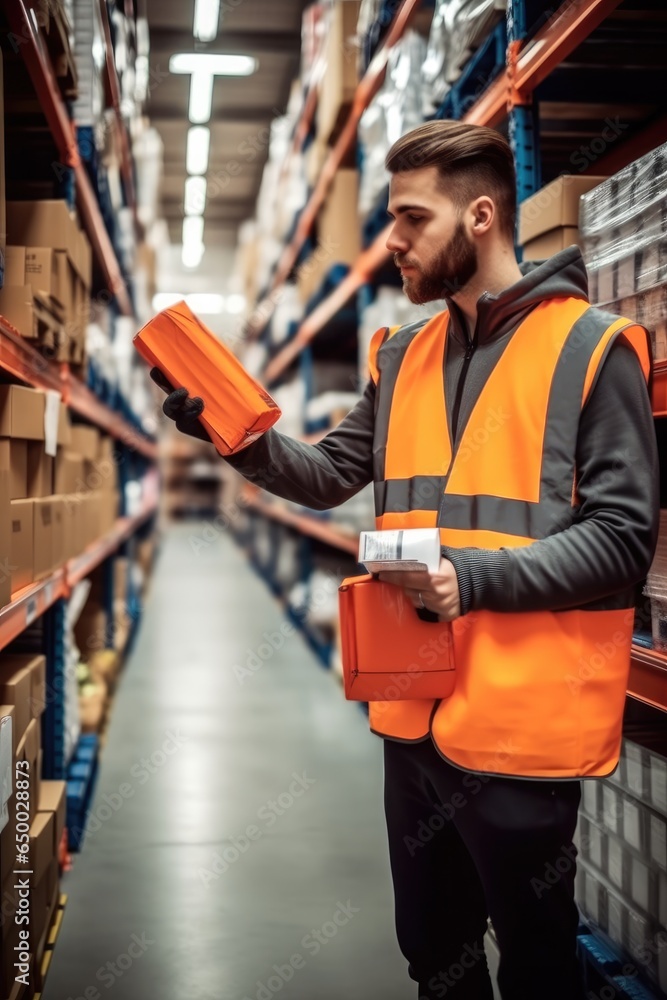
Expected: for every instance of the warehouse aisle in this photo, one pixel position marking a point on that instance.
(237, 847)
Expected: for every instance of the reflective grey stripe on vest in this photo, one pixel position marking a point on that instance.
(554, 511)
(401, 495)
(389, 358)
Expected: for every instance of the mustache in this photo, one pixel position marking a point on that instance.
(404, 261)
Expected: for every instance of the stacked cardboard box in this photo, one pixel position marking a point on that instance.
(656, 588)
(50, 508)
(23, 697)
(623, 226)
(548, 220)
(339, 80)
(46, 295)
(622, 840)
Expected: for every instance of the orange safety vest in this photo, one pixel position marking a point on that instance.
(538, 694)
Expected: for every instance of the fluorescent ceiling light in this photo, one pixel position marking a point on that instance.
(162, 300)
(235, 303)
(201, 97)
(216, 63)
(193, 242)
(196, 153)
(191, 254)
(195, 195)
(207, 15)
(205, 303)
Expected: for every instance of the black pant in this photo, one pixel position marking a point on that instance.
(465, 847)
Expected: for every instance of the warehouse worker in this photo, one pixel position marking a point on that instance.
(518, 421)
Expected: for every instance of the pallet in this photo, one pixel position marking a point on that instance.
(51, 939)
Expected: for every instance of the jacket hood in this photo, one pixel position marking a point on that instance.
(562, 276)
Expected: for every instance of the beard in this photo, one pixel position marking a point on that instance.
(448, 273)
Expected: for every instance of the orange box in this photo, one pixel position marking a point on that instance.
(237, 409)
(381, 640)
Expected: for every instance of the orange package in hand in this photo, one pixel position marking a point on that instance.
(388, 652)
(237, 409)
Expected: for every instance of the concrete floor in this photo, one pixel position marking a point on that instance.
(237, 819)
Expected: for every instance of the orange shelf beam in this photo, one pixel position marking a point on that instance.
(304, 523)
(29, 603)
(370, 260)
(660, 389)
(32, 601)
(39, 67)
(648, 677)
(20, 359)
(366, 91)
(114, 93)
(569, 26)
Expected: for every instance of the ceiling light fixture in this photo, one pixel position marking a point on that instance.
(216, 63)
(206, 303)
(201, 97)
(163, 300)
(197, 148)
(195, 195)
(207, 16)
(235, 304)
(193, 241)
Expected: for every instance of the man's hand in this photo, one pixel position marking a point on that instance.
(439, 591)
(180, 408)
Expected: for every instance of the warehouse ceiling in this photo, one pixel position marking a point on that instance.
(242, 108)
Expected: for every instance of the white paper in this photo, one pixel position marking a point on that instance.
(51, 414)
(402, 549)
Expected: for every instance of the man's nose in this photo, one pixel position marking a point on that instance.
(396, 243)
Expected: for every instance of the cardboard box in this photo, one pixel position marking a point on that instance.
(16, 689)
(68, 472)
(40, 470)
(42, 836)
(31, 313)
(70, 509)
(53, 799)
(46, 223)
(21, 543)
(312, 272)
(29, 750)
(339, 81)
(59, 554)
(338, 221)
(36, 267)
(5, 540)
(64, 426)
(546, 245)
(21, 412)
(85, 441)
(555, 205)
(14, 461)
(42, 556)
(35, 664)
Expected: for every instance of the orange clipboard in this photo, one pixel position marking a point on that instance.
(237, 409)
(388, 652)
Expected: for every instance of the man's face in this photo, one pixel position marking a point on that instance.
(430, 244)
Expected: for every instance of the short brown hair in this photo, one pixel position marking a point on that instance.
(472, 160)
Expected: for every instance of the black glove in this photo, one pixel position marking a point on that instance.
(178, 406)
